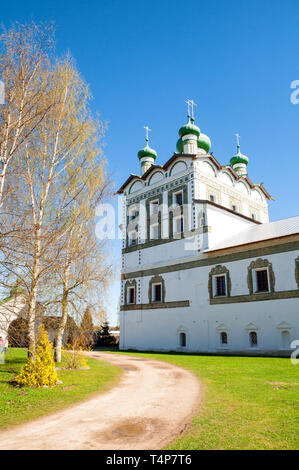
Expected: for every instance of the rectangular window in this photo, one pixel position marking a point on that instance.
(131, 295)
(154, 207)
(220, 285)
(178, 197)
(223, 337)
(234, 207)
(253, 216)
(262, 284)
(157, 293)
(212, 198)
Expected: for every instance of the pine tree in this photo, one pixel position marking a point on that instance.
(104, 337)
(87, 328)
(87, 321)
(40, 372)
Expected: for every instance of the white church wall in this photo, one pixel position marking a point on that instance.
(131, 260)
(168, 252)
(223, 224)
(158, 328)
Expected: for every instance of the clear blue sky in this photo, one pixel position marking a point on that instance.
(144, 58)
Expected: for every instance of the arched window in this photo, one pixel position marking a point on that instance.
(285, 338)
(253, 338)
(183, 340)
(223, 337)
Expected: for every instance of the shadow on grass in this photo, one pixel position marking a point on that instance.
(192, 354)
(11, 360)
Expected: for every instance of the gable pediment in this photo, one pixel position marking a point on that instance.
(251, 326)
(284, 326)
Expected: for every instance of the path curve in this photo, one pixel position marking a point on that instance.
(152, 403)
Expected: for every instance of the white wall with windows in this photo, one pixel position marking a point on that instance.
(253, 327)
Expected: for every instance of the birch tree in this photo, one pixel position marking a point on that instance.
(53, 157)
(24, 53)
(83, 273)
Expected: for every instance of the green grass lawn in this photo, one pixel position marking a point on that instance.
(249, 403)
(22, 404)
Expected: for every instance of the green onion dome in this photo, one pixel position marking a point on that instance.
(180, 146)
(204, 142)
(239, 158)
(147, 152)
(189, 128)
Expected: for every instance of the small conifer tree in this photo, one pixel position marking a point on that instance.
(40, 372)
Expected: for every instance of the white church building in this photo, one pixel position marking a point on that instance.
(203, 269)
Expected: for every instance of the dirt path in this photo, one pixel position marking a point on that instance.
(152, 403)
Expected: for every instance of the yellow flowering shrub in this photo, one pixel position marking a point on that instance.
(73, 358)
(41, 371)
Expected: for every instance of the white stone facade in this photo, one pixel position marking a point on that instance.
(9, 311)
(257, 309)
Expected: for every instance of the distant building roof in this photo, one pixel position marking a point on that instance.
(257, 233)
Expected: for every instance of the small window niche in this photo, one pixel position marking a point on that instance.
(285, 339)
(253, 339)
(131, 295)
(223, 338)
(183, 339)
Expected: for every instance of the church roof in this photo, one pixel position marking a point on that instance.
(193, 157)
(278, 229)
(151, 169)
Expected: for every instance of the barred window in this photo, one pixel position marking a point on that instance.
(223, 337)
(253, 338)
(220, 285)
